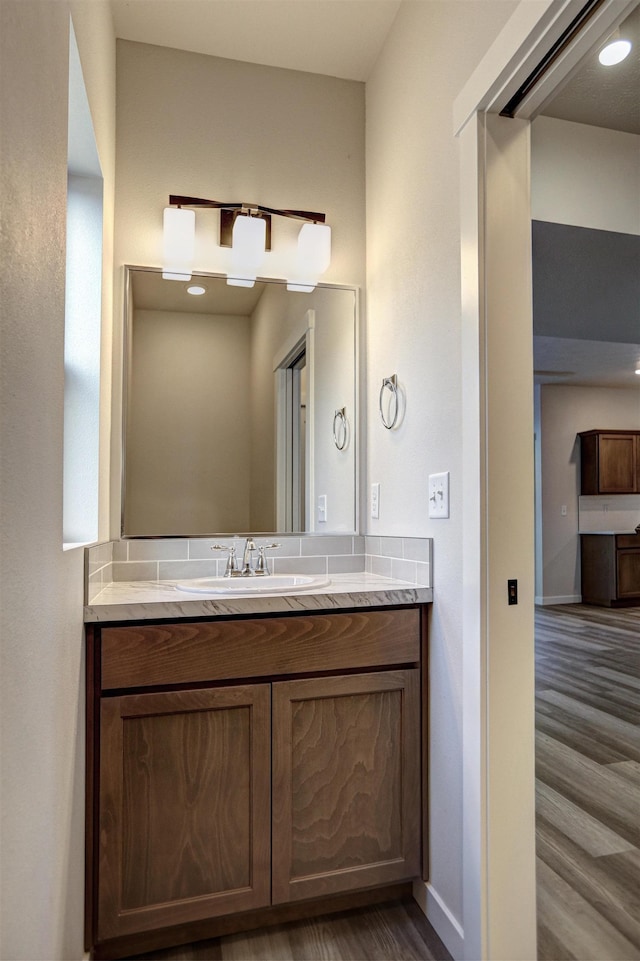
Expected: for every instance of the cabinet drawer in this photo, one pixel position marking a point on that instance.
(187, 652)
(628, 540)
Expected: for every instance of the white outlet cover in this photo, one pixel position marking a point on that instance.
(439, 495)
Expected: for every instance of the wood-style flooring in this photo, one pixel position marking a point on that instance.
(588, 783)
(588, 818)
(396, 931)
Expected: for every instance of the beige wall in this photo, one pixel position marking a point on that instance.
(279, 322)
(188, 430)
(573, 180)
(564, 411)
(413, 297)
(572, 183)
(207, 127)
(42, 633)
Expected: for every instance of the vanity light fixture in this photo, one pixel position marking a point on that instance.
(179, 236)
(313, 257)
(615, 50)
(246, 228)
(248, 248)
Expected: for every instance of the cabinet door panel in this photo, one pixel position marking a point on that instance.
(346, 791)
(617, 462)
(184, 807)
(628, 574)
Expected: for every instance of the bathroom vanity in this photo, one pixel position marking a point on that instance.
(251, 760)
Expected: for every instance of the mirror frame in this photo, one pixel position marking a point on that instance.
(357, 369)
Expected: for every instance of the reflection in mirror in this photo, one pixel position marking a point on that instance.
(229, 405)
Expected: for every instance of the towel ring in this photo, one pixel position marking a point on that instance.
(340, 429)
(390, 384)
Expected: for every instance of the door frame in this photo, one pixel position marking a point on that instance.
(302, 339)
(499, 903)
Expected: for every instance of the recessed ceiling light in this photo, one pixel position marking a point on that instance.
(196, 290)
(638, 371)
(614, 52)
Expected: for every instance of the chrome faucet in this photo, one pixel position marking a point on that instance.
(248, 569)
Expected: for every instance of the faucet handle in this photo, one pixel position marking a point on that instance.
(262, 566)
(232, 560)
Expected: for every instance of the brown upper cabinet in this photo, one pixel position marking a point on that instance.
(610, 462)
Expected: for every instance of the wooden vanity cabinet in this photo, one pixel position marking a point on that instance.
(609, 462)
(245, 763)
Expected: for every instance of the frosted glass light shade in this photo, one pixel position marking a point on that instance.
(614, 52)
(179, 236)
(313, 257)
(247, 252)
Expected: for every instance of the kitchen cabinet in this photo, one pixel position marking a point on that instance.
(609, 462)
(610, 569)
(241, 764)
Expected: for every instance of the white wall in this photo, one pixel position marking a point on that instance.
(585, 176)
(42, 633)
(413, 296)
(564, 411)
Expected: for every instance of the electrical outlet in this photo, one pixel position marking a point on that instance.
(563, 510)
(439, 495)
(375, 500)
(322, 509)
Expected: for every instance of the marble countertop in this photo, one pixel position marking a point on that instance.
(145, 600)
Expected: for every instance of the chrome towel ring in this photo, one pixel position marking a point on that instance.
(390, 384)
(340, 428)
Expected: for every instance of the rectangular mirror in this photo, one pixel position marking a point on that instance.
(239, 410)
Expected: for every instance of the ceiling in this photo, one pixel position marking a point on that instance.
(343, 38)
(339, 38)
(604, 96)
(151, 292)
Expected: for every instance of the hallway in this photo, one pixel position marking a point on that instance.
(588, 782)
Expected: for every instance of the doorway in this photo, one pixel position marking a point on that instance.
(296, 442)
(498, 500)
(294, 387)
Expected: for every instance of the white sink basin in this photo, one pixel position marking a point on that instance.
(268, 584)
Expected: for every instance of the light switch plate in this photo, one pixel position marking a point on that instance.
(375, 500)
(439, 495)
(322, 509)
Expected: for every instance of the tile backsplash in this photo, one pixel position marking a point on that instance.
(404, 558)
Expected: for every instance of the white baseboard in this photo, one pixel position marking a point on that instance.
(440, 918)
(561, 599)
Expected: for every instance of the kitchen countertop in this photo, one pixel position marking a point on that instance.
(146, 600)
(609, 533)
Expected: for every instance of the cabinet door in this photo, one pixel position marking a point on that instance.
(346, 783)
(628, 574)
(184, 807)
(617, 464)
